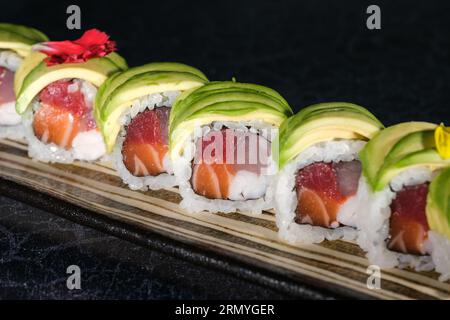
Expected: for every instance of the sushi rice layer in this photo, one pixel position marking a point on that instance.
(10, 60)
(164, 180)
(373, 224)
(10, 121)
(246, 184)
(87, 146)
(286, 197)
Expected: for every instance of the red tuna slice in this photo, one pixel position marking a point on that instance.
(146, 142)
(408, 228)
(6, 86)
(59, 94)
(243, 150)
(322, 188)
(221, 154)
(63, 114)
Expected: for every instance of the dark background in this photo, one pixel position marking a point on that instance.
(310, 51)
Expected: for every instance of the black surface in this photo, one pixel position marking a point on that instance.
(310, 51)
(37, 247)
(253, 280)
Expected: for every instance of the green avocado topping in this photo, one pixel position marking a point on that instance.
(399, 148)
(438, 203)
(323, 122)
(119, 91)
(38, 75)
(224, 101)
(19, 38)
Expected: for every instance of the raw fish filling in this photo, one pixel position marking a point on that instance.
(63, 114)
(322, 188)
(6, 86)
(408, 228)
(230, 164)
(8, 115)
(145, 146)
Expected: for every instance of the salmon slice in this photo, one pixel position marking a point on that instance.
(63, 114)
(220, 155)
(143, 159)
(321, 190)
(212, 180)
(408, 228)
(146, 142)
(52, 124)
(6, 86)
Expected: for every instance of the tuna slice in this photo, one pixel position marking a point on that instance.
(221, 155)
(64, 113)
(408, 229)
(6, 86)
(146, 142)
(321, 190)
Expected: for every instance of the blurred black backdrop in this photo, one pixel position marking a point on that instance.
(310, 51)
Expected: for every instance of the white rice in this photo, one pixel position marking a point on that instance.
(10, 121)
(195, 203)
(8, 115)
(440, 253)
(12, 132)
(286, 197)
(10, 60)
(373, 217)
(164, 180)
(86, 146)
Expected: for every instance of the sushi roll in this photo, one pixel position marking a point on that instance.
(55, 87)
(317, 186)
(438, 217)
(133, 108)
(15, 45)
(403, 221)
(221, 141)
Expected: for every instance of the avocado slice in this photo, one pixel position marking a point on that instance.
(438, 203)
(37, 75)
(120, 91)
(414, 149)
(227, 91)
(323, 122)
(429, 158)
(19, 38)
(375, 152)
(223, 101)
(119, 79)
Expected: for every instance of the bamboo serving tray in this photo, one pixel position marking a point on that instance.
(249, 240)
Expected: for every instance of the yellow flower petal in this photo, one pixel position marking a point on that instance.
(442, 138)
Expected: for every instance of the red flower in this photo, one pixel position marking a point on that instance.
(92, 44)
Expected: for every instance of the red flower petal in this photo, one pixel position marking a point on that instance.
(60, 48)
(93, 37)
(93, 44)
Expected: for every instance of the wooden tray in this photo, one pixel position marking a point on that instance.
(249, 241)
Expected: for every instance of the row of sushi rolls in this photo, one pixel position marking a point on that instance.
(332, 171)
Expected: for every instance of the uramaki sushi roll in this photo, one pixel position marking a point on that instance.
(316, 191)
(438, 218)
(403, 221)
(221, 140)
(15, 45)
(56, 86)
(133, 109)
